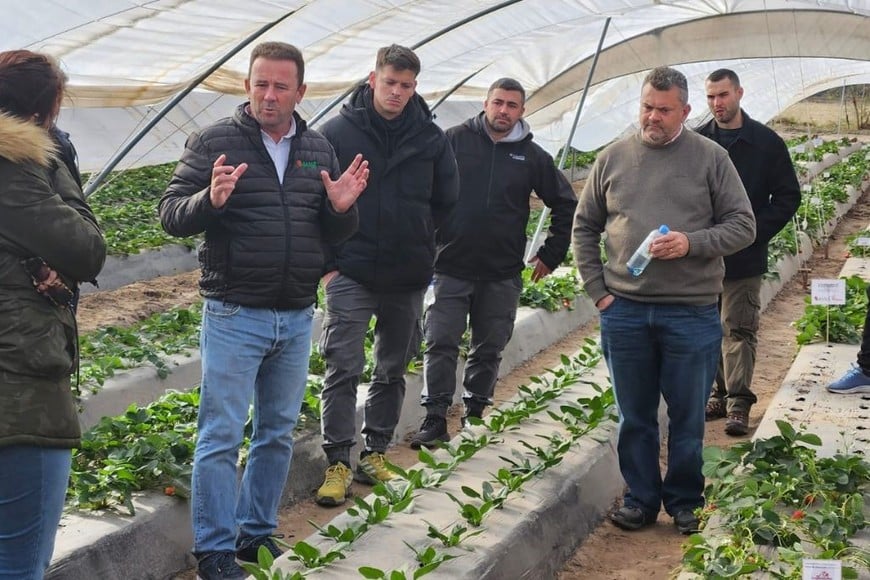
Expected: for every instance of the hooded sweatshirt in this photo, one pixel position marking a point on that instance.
(485, 236)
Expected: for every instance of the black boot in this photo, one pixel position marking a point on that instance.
(472, 410)
(431, 433)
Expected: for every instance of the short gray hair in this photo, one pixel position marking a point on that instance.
(664, 78)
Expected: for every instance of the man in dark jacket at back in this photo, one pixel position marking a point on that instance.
(266, 191)
(767, 173)
(384, 269)
(480, 252)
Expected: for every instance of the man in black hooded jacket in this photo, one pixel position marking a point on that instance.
(384, 269)
(480, 252)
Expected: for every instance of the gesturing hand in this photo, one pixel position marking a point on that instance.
(223, 181)
(343, 192)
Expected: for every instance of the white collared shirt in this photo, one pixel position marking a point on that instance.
(280, 151)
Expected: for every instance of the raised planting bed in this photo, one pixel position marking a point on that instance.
(122, 538)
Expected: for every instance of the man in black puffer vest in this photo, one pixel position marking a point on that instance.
(384, 269)
(260, 185)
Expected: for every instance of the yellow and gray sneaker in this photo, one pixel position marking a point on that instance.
(372, 469)
(336, 485)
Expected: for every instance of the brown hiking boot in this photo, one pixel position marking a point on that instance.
(715, 410)
(737, 423)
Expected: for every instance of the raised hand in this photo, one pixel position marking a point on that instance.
(223, 181)
(344, 192)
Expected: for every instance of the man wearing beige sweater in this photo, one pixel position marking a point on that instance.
(660, 330)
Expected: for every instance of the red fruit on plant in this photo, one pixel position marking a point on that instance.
(798, 515)
(169, 490)
(809, 499)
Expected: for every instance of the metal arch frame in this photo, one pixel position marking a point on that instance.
(94, 183)
(564, 156)
(459, 23)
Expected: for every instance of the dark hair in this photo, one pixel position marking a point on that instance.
(399, 57)
(31, 84)
(724, 73)
(508, 84)
(664, 78)
(279, 51)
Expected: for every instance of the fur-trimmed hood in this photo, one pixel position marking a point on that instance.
(22, 141)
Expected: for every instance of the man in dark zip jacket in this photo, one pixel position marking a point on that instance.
(384, 269)
(266, 192)
(480, 252)
(767, 173)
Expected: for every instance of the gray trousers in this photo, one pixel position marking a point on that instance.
(489, 308)
(740, 311)
(349, 308)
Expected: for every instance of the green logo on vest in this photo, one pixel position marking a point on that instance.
(308, 164)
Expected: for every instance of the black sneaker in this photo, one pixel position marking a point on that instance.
(686, 522)
(631, 518)
(432, 432)
(219, 566)
(251, 546)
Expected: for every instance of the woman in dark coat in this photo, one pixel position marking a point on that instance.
(49, 242)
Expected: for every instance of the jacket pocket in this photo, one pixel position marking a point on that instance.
(37, 338)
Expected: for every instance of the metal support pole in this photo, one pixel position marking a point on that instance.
(533, 246)
(842, 108)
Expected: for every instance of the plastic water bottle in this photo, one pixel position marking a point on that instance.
(429, 296)
(641, 257)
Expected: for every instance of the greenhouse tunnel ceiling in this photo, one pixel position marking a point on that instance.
(126, 59)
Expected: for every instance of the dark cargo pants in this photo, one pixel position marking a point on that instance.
(489, 307)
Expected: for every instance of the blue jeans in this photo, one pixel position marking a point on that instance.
(33, 482)
(671, 351)
(247, 353)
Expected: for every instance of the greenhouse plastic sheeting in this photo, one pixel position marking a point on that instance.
(126, 58)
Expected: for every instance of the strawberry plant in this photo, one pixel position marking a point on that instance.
(840, 324)
(774, 502)
(577, 158)
(551, 293)
(145, 448)
(856, 244)
(114, 348)
(126, 209)
(399, 495)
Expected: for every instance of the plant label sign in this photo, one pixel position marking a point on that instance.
(862, 242)
(828, 292)
(822, 570)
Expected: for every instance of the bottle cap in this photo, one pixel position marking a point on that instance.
(663, 229)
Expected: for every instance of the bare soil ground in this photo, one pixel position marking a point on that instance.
(818, 116)
(654, 552)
